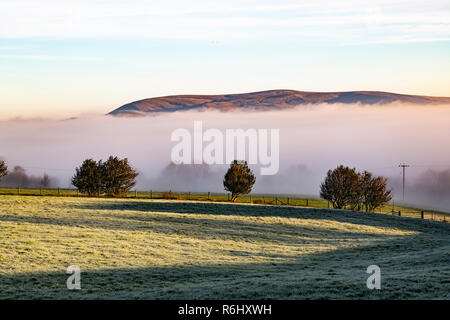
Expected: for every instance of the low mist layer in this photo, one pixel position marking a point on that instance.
(313, 139)
(18, 177)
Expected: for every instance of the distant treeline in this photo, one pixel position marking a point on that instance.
(19, 177)
(344, 188)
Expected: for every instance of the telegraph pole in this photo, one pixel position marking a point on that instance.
(404, 166)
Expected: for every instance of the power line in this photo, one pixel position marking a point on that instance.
(404, 166)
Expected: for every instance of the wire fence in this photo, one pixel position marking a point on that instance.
(261, 199)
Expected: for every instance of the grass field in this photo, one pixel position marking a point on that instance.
(279, 199)
(161, 249)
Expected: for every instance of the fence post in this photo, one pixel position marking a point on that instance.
(18, 190)
(264, 200)
(189, 195)
(151, 194)
(58, 192)
(399, 213)
(209, 195)
(328, 204)
(307, 203)
(421, 214)
(276, 200)
(287, 201)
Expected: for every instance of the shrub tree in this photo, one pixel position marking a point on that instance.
(3, 169)
(118, 176)
(88, 178)
(344, 187)
(374, 191)
(239, 179)
(341, 187)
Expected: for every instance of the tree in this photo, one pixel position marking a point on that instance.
(19, 177)
(374, 191)
(341, 187)
(3, 169)
(365, 182)
(346, 187)
(239, 179)
(118, 176)
(88, 177)
(45, 181)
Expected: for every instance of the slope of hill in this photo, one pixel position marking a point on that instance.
(265, 100)
(159, 249)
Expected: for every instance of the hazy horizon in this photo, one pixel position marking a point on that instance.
(61, 58)
(66, 64)
(313, 139)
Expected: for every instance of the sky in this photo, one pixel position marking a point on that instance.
(62, 58)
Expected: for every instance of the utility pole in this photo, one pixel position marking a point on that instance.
(404, 166)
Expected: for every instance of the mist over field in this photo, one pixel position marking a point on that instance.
(313, 139)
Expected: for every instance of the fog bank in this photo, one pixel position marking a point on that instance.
(313, 139)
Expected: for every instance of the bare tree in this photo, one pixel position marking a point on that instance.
(18, 178)
(45, 181)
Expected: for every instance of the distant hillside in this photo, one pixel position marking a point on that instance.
(265, 100)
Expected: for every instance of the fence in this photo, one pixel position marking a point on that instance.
(262, 199)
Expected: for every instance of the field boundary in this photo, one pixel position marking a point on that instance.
(261, 199)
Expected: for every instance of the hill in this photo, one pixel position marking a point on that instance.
(266, 100)
(157, 249)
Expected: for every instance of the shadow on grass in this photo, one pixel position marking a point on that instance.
(413, 267)
(204, 228)
(229, 209)
(339, 274)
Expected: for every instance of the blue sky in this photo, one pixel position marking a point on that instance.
(60, 58)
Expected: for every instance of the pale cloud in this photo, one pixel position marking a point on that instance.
(375, 21)
(49, 57)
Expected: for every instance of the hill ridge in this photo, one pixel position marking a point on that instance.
(266, 100)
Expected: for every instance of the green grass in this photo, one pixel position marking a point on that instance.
(268, 199)
(159, 249)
